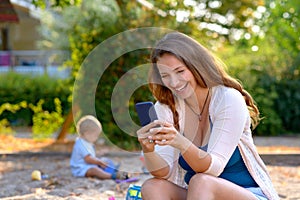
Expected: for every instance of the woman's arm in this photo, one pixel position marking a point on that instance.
(230, 118)
(198, 159)
(159, 164)
(159, 160)
(156, 165)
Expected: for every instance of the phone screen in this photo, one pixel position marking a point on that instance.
(146, 112)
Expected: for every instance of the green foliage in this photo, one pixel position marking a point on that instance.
(279, 50)
(80, 28)
(283, 25)
(54, 3)
(88, 25)
(46, 123)
(215, 21)
(4, 123)
(16, 88)
(288, 102)
(271, 72)
(104, 92)
(274, 89)
(265, 84)
(245, 65)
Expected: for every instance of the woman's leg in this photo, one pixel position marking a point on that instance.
(161, 189)
(203, 186)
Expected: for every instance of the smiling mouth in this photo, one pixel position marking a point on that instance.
(181, 88)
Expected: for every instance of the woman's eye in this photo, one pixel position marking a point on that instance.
(180, 71)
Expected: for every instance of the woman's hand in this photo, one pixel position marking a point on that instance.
(161, 133)
(167, 134)
(145, 137)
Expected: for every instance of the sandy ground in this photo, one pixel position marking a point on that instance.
(16, 180)
(282, 159)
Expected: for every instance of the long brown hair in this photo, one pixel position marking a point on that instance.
(208, 70)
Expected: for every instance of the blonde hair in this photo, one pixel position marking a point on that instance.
(86, 123)
(208, 70)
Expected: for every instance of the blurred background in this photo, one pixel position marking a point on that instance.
(44, 42)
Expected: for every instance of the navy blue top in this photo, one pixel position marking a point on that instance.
(235, 171)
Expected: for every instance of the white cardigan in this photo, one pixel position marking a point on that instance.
(231, 127)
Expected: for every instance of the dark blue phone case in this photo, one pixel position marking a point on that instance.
(146, 112)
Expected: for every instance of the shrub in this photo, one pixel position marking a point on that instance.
(4, 124)
(15, 88)
(46, 123)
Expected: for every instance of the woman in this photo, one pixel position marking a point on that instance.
(201, 147)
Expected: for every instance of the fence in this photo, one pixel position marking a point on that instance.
(35, 62)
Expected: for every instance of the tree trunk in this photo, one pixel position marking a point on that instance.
(65, 127)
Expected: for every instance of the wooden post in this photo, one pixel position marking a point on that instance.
(65, 127)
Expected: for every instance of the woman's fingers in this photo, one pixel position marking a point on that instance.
(163, 135)
(162, 123)
(145, 137)
(147, 144)
(158, 132)
(151, 129)
(163, 130)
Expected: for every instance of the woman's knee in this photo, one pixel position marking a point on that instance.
(201, 186)
(203, 180)
(152, 185)
(162, 189)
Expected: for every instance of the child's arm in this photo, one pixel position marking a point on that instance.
(93, 160)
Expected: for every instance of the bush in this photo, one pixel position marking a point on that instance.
(105, 88)
(46, 123)
(4, 124)
(15, 88)
(287, 104)
(274, 85)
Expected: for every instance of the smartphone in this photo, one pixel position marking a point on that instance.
(146, 112)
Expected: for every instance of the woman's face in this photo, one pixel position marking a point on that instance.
(176, 76)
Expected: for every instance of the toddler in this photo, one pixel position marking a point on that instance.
(84, 162)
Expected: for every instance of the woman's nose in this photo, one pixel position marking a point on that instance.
(174, 81)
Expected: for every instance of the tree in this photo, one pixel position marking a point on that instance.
(218, 20)
(283, 28)
(80, 28)
(268, 63)
(47, 4)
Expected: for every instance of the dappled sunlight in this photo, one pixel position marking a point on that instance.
(10, 144)
(52, 159)
(286, 180)
(278, 150)
(9, 166)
